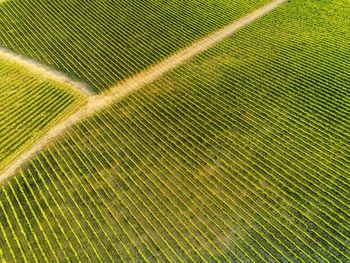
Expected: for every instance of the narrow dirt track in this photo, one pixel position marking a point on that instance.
(98, 102)
(43, 70)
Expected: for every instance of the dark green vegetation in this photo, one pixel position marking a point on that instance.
(29, 104)
(103, 42)
(240, 155)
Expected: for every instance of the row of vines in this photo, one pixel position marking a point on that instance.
(103, 42)
(29, 106)
(241, 154)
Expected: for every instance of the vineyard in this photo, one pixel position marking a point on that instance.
(30, 104)
(102, 42)
(241, 154)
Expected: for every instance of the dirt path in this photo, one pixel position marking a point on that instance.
(43, 70)
(98, 102)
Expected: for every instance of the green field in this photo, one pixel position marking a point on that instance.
(103, 42)
(241, 154)
(29, 105)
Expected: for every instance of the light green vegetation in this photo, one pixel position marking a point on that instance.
(29, 105)
(241, 154)
(103, 42)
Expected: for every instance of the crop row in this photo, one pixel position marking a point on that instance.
(103, 42)
(29, 106)
(239, 155)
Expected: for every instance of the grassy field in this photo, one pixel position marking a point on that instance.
(29, 104)
(242, 154)
(103, 42)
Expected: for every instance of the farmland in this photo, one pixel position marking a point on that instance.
(30, 104)
(103, 42)
(241, 154)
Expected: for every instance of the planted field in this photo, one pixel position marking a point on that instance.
(30, 104)
(241, 154)
(103, 42)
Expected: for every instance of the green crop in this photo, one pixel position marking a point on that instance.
(242, 154)
(29, 106)
(103, 42)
